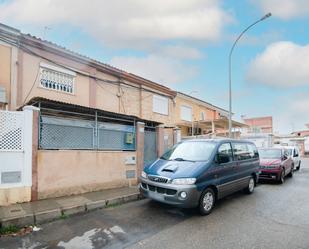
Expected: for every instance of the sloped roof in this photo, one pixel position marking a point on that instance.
(27, 39)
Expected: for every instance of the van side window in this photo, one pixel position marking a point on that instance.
(226, 149)
(241, 151)
(253, 152)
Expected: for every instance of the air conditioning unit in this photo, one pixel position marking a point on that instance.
(3, 99)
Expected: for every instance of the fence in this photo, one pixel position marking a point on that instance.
(68, 133)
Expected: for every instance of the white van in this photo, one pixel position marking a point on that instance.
(295, 155)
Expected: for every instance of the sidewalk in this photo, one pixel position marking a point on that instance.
(51, 209)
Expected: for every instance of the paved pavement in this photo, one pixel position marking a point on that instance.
(275, 216)
(41, 211)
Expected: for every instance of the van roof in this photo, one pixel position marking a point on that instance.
(217, 140)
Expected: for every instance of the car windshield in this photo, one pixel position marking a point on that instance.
(190, 151)
(270, 153)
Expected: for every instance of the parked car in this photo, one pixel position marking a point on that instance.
(196, 173)
(295, 155)
(275, 164)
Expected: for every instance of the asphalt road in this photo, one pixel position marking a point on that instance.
(275, 216)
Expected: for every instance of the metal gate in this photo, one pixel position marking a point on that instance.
(15, 149)
(150, 146)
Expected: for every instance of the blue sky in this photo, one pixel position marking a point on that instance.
(184, 44)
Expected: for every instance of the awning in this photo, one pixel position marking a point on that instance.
(221, 123)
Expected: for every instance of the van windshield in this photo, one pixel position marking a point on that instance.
(190, 151)
(270, 154)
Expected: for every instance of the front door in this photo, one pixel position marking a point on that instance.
(226, 172)
(150, 146)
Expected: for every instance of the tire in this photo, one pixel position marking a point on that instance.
(292, 172)
(251, 184)
(298, 167)
(282, 176)
(207, 201)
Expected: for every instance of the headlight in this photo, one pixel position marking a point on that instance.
(144, 175)
(184, 181)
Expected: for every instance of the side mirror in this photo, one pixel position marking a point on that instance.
(222, 158)
(284, 157)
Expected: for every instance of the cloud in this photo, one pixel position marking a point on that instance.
(125, 23)
(294, 115)
(282, 64)
(160, 69)
(180, 52)
(258, 40)
(284, 9)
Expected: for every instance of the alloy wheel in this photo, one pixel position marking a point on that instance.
(208, 201)
(251, 185)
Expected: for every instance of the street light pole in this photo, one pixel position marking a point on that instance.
(230, 69)
(192, 131)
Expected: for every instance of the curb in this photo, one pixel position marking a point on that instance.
(51, 215)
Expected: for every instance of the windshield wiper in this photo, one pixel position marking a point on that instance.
(182, 160)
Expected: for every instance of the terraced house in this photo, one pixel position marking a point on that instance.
(196, 117)
(91, 126)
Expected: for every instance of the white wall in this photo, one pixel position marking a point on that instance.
(15, 155)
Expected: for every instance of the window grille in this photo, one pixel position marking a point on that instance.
(11, 131)
(57, 80)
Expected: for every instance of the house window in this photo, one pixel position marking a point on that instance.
(186, 113)
(202, 116)
(56, 78)
(160, 104)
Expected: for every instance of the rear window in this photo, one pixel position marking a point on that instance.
(270, 153)
(244, 151)
(190, 151)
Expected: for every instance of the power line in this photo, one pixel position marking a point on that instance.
(33, 84)
(79, 72)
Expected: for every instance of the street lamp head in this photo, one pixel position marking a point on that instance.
(266, 16)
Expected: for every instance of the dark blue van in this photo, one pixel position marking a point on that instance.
(196, 173)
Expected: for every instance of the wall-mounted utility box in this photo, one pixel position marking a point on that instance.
(129, 138)
(130, 160)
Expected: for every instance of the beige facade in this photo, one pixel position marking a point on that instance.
(96, 85)
(201, 116)
(5, 69)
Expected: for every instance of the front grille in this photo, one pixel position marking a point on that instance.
(267, 167)
(159, 190)
(268, 175)
(158, 179)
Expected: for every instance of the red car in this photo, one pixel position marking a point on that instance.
(275, 164)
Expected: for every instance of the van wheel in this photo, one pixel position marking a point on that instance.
(250, 189)
(207, 201)
(282, 175)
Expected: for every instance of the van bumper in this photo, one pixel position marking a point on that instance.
(170, 193)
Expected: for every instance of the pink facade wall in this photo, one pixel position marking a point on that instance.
(264, 123)
(70, 172)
